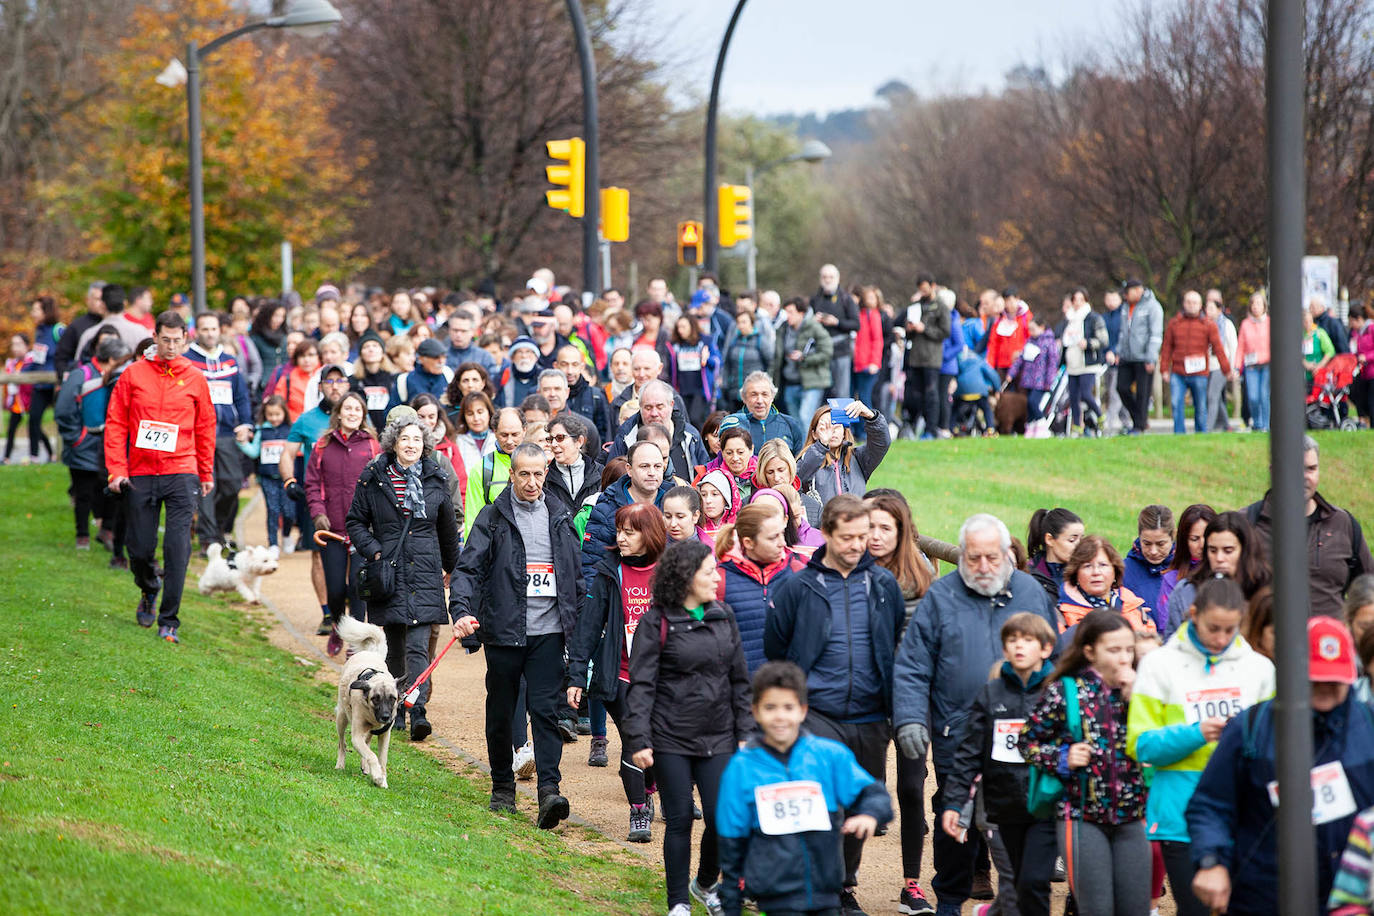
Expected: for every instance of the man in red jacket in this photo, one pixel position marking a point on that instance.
(1189, 340)
(160, 451)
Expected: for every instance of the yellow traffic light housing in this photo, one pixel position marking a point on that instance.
(615, 214)
(689, 243)
(570, 179)
(736, 215)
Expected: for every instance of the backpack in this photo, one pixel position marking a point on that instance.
(1043, 789)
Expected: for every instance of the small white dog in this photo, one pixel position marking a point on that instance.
(367, 697)
(242, 570)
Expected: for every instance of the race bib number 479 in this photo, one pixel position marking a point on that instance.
(791, 807)
(159, 437)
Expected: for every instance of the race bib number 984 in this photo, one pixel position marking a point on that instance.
(539, 582)
(791, 807)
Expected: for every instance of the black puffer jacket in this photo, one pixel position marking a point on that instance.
(689, 686)
(556, 484)
(599, 637)
(489, 582)
(374, 525)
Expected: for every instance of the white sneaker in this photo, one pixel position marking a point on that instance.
(523, 763)
(682, 909)
(288, 544)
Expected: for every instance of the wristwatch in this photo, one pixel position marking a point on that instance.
(1208, 861)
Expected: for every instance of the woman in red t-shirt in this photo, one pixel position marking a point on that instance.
(606, 630)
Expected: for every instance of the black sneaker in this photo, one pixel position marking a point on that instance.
(982, 885)
(567, 730)
(502, 799)
(145, 614)
(553, 810)
(326, 626)
(913, 901)
(419, 725)
(597, 756)
(849, 904)
(641, 824)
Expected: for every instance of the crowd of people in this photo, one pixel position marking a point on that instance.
(662, 515)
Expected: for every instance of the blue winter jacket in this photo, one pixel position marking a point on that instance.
(1144, 578)
(1112, 319)
(600, 533)
(799, 620)
(975, 376)
(746, 589)
(792, 871)
(954, 639)
(1231, 817)
(775, 425)
(952, 346)
(42, 355)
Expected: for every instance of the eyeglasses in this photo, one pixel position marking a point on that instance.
(334, 381)
(560, 437)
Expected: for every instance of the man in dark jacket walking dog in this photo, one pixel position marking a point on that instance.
(838, 620)
(518, 576)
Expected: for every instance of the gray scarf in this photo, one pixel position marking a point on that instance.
(415, 491)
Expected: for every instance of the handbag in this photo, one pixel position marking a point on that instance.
(1043, 788)
(377, 578)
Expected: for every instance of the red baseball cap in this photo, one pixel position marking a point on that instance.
(1330, 651)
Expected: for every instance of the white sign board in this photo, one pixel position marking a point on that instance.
(1320, 281)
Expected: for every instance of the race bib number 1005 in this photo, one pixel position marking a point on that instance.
(791, 807)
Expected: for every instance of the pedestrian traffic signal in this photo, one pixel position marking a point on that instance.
(569, 178)
(615, 214)
(736, 215)
(689, 243)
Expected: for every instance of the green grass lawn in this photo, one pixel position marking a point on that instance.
(1107, 481)
(139, 777)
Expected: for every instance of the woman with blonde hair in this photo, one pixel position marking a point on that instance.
(776, 465)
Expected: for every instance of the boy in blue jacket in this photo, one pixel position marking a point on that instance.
(786, 801)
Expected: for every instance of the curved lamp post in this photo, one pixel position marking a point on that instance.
(310, 18)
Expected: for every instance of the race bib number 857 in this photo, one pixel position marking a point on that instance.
(791, 807)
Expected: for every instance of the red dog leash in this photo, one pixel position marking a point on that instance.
(413, 694)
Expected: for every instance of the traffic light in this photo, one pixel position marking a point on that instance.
(736, 215)
(571, 177)
(615, 214)
(689, 243)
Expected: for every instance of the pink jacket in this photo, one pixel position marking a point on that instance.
(1252, 345)
(1364, 346)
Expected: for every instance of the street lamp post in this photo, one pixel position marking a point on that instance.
(311, 18)
(710, 246)
(812, 151)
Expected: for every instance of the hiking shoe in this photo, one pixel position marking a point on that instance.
(326, 627)
(523, 764)
(145, 614)
(335, 642)
(83, 543)
(982, 886)
(849, 904)
(1059, 876)
(706, 896)
(913, 901)
(641, 824)
(553, 809)
(502, 800)
(118, 563)
(597, 756)
(168, 634)
(649, 804)
(419, 725)
(567, 730)
(584, 725)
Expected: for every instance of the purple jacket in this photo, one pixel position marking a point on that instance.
(332, 472)
(1037, 373)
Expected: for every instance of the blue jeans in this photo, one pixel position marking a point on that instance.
(1180, 386)
(1257, 393)
(274, 495)
(863, 384)
(802, 402)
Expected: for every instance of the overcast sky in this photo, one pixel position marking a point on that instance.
(822, 55)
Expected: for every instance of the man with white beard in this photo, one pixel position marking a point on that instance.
(951, 644)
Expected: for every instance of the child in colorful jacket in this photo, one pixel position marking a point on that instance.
(1035, 367)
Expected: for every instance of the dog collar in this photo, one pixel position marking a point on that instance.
(366, 676)
(229, 558)
(385, 728)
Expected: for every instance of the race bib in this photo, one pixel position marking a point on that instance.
(539, 580)
(271, 451)
(1331, 795)
(39, 353)
(159, 437)
(1192, 365)
(1212, 702)
(1006, 328)
(377, 397)
(689, 361)
(1006, 735)
(1251, 359)
(791, 807)
(221, 392)
(1030, 352)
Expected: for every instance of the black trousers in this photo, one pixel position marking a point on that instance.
(407, 654)
(911, 805)
(946, 399)
(868, 741)
(1032, 849)
(954, 861)
(12, 430)
(631, 776)
(219, 510)
(88, 498)
(42, 398)
(1133, 384)
(145, 501)
(540, 661)
(922, 398)
(1178, 865)
(341, 581)
(676, 775)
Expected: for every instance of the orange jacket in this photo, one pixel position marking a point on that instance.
(1124, 601)
(152, 396)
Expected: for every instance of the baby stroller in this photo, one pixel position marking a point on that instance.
(1328, 403)
(968, 416)
(1062, 416)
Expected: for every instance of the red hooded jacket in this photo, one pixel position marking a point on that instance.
(161, 421)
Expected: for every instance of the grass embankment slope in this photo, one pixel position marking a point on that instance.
(1108, 481)
(138, 777)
